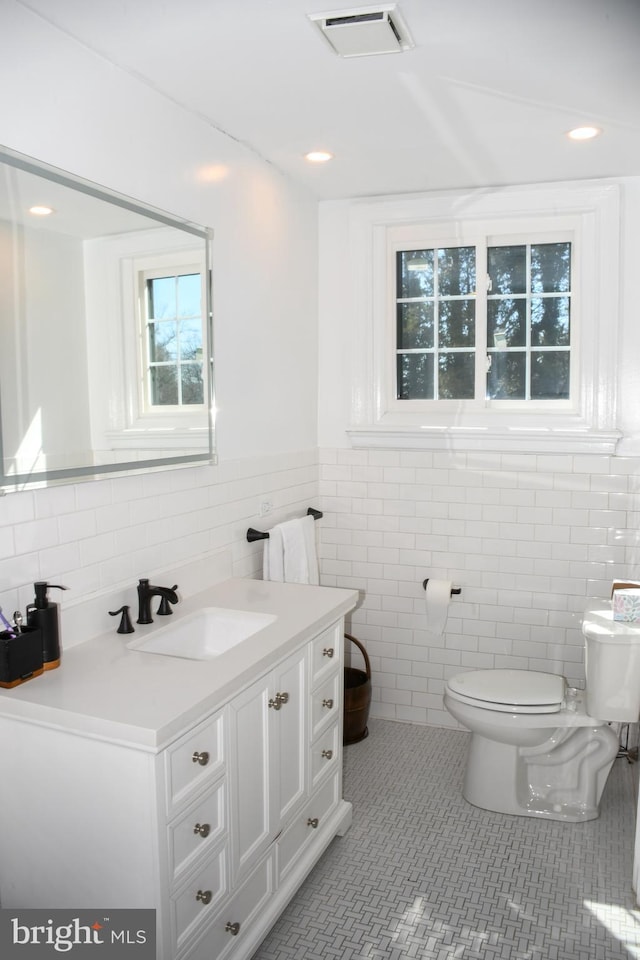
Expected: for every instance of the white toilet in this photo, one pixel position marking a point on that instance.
(539, 748)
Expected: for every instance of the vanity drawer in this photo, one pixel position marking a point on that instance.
(325, 754)
(196, 902)
(194, 761)
(197, 830)
(325, 653)
(306, 825)
(325, 704)
(234, 921)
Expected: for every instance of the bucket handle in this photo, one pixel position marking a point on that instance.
(363, 652)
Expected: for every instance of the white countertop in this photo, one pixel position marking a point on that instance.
(145, 700)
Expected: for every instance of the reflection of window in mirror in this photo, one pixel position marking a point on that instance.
(171, 338)
(148, 346)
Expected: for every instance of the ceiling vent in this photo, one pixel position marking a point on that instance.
(364, 31)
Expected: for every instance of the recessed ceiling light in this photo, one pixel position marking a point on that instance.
(41, 211)
(584, 133)
(318, 156)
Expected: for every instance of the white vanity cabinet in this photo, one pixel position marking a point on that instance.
(217, 825)
(285, 788)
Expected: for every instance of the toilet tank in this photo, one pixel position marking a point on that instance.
(612, 666)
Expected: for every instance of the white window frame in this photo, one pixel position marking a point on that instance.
(111, 268)
(588, 215)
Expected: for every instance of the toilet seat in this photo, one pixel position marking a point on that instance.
(509, 691)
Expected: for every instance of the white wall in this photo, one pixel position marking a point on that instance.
(66, 106)
(73, 110)
(529, 538)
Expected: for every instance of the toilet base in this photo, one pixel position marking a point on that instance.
(560, 779)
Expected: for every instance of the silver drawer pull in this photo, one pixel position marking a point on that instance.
(201, 758)
(203, 829)
(204, 896)
(328, 652)
(328, 704)
(313, 822)
(278, 700)
(327, 754)
(232, 928)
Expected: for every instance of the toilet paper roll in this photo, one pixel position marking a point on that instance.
(437, 600)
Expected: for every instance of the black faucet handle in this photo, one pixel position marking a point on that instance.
(164, 610)
(125, 620)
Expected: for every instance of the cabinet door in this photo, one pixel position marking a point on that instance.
(269, 775)
(288, 726)
(252, 783)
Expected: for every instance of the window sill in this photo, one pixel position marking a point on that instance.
(551, 439)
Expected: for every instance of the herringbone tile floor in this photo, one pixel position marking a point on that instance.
(422, 875)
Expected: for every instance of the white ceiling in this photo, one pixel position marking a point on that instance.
(484, 98)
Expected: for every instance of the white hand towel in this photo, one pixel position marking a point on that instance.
(290, 553)
(273, 556)
(300, 561)
(309, 534)
(296, 569)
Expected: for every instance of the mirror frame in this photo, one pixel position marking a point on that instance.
(16, 482)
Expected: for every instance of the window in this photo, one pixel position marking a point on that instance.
(481, 320)
(150, 301)
(510, 303)
(167, 375)
(173, 339)
(436, 323)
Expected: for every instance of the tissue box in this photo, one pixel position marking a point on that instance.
(626, 605)
(20, 656)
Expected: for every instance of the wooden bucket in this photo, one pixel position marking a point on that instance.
(357, 698)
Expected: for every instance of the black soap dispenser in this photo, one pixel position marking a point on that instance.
(44, 614)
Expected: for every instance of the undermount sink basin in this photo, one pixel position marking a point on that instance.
(204, 635)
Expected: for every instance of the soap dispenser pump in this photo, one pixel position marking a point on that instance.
(43, 613)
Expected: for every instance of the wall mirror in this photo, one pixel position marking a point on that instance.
(105, 331)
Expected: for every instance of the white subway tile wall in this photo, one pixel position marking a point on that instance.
(529, 539)
(93, 536)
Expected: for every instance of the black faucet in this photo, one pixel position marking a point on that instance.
(146, 591)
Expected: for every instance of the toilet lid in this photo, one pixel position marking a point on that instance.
(516, 689)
